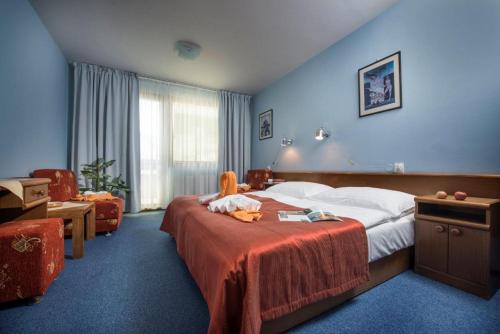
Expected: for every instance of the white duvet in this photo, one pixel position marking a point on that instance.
(368, 217)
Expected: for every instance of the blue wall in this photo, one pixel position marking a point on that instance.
(450, 120)
(33, 93)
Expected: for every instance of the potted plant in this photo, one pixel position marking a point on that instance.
(97, 179)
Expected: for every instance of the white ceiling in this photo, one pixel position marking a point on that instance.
(246, 44)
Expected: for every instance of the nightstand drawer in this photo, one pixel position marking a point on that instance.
(36, 192)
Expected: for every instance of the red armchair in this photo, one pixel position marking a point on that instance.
(64, 186)
(257, 177)
(31, 257)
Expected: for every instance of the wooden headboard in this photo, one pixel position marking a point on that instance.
(479, 185)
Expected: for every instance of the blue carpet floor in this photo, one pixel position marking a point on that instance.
(134, 282)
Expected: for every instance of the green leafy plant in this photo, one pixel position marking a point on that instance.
(95, 175)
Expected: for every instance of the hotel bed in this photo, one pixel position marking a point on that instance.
(255, 275)
(202, 242)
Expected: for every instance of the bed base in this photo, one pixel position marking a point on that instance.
(380, 271)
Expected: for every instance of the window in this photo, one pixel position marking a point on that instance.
(195, 132)
(151, 147)
(179, 133)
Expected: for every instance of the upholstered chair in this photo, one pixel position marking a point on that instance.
(31, 257)
(257, 177)
(64, 186)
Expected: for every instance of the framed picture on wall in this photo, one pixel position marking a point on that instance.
(266, 124)
(379, 86)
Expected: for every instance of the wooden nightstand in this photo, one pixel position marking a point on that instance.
(457, 242)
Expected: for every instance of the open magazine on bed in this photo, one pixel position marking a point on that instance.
(307, 215)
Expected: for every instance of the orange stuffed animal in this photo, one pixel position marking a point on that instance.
(228, 184)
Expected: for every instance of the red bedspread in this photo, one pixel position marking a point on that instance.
(249, 273)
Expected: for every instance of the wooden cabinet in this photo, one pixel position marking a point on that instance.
(455, 241)
(23, 198)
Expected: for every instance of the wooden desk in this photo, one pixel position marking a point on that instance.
(23, 198)
(82, 217)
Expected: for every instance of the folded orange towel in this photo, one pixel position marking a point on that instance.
(228, 184)
(246, 216)
(94, 197)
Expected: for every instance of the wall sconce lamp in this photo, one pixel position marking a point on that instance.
(321, 134)
(286, 142)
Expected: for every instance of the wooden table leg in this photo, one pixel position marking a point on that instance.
(77, 237)
(90, 224)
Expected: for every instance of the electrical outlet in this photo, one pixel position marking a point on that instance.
(399, 167)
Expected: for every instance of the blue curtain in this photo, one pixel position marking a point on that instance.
(234, 133)
(106, 124)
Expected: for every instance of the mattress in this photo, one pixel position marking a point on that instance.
(386, 239)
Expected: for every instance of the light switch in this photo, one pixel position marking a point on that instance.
(399, 167)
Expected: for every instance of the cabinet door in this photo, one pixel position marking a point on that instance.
(431, 245)
(468, 254)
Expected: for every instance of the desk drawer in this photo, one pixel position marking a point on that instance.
(33, 193)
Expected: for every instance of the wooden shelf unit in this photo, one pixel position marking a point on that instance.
(458, 242)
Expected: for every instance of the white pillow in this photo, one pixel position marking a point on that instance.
(396, 203)
(299, 189)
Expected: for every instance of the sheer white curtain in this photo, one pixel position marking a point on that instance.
(179, 142)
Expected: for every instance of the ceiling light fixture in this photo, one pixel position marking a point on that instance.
(187, 49)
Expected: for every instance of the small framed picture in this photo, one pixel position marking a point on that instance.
(266, 124)
(379, 86)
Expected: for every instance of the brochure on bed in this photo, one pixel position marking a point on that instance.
(249, 273)
(307, 216)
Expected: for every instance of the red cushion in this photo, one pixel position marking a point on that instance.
(109, 215)
(63, 185)
(109, 209)
(257, 177)
(31, 257)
